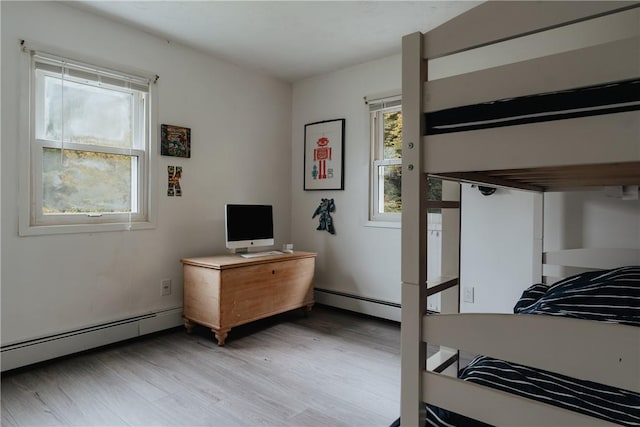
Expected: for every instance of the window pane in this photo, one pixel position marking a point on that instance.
(392, 178)
(92, 115)
(392, 124)
(434, 192)
(85, 182)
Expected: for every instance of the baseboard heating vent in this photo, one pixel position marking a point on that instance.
(359, 304)
(23, 353)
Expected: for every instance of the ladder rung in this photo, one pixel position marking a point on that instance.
(442, 359)
(440, 284)
(442, 204)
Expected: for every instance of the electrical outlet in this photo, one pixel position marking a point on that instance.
(165, 287)
(468, 294)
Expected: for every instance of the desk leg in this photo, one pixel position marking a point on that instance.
(189, 325)
(307, 309)
(221, 335)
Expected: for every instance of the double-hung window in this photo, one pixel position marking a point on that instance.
(89, 145)
(386, 158)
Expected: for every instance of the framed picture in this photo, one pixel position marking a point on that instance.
(324, 155)
(175, 141)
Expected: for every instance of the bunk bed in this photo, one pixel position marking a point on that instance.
(552, 102)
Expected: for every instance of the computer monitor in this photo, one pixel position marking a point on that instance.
(248, 226)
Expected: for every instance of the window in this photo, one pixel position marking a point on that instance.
(89, 151)
(386, 159)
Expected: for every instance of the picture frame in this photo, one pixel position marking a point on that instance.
(175, 141)
(324, 155)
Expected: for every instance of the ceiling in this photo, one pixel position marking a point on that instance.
(290, 40)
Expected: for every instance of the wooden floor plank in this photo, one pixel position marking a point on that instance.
(26, 404)
(331, 367)
(64, 388)
(7, 419)
(314, 417)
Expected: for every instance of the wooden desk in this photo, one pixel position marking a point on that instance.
(227, 290)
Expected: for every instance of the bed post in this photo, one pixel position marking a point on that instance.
(414, 234)
(450, 252)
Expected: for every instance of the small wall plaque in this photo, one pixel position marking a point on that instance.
(175, 141)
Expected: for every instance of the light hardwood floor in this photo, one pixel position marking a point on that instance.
(332, 368)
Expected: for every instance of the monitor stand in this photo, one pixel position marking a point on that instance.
(239, 250)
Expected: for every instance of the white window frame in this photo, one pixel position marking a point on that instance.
(377, 108)
(32, 221)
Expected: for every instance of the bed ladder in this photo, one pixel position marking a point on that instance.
(414, 303)
(414, 236)
(448, 284)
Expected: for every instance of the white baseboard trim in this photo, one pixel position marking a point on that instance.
(369, 306)
(25, 353)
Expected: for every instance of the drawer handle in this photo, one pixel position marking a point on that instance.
(273, 272)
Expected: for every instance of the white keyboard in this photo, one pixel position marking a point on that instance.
(260, 254)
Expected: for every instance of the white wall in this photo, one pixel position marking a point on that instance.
(498, 231)
(497, 248)
(590, 219)
(359, 259)
(240, 122)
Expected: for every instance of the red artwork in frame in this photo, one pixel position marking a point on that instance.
(324, 155)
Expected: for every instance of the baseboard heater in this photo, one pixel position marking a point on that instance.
(371, 306)
(23, 353)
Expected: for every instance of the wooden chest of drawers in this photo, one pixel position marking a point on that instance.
(227, 290)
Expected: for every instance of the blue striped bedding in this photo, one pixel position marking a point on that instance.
(608, 296)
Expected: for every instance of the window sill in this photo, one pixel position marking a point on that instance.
(383, 224)
(43, 230)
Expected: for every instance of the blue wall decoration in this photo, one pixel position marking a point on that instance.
(324, 210)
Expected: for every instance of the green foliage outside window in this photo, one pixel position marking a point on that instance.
(392, 149)
(434, 192)
(392, 145)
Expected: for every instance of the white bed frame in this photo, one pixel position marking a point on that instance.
(587, 151)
